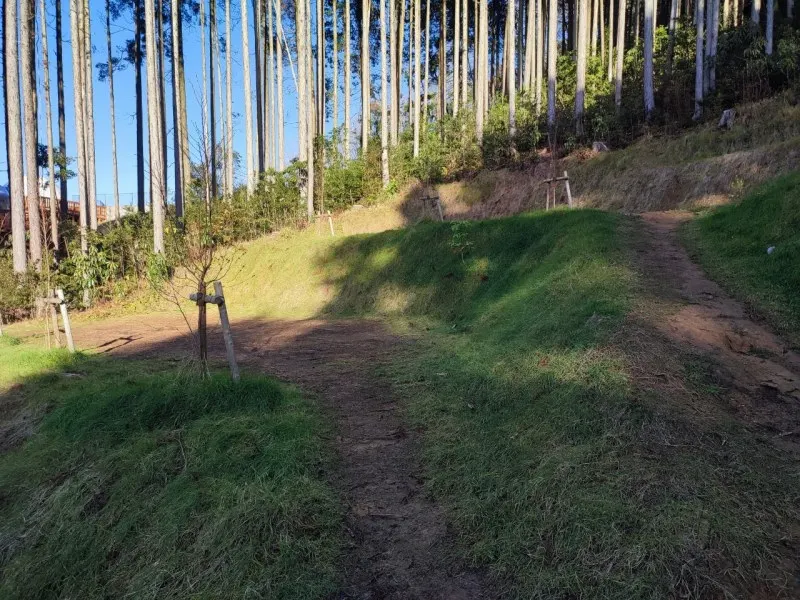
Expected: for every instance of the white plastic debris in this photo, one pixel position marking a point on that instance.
(771, 249)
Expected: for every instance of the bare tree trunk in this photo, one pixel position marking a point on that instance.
(280, 124)
(248, 101)
(755, 13)
(365, 83)
(530, 46)
(770, 25)
(112, 110)
(485, 52)
(714, 34)
(512, 79)
(384, 101)
(417, 73)
(580, 87)
(310, 109)
(464, 51)
(204, 111)
(212, 36)
(28, 49)
(88, 81)
(620, 54)
(673, 23)
(699, 72)
(552, 49)
(649, 22)
(157, 170)
(140, 196)
(348, 69)
(335, 60)
(480, 52)
(424, 123)
(62, 121)
(401, 39)
(456, 56)
(257, 43)
(394, 73)
(443, 60)
(183, 117)
(177, 140)
(14, 126)
(602, 32)
(611, 63)
(76, 28)
(229, 98)
(539, 67)
(320, 70)
(302, 95)
(595, 17)
(48, 110)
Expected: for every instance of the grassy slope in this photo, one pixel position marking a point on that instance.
(731, 243)
(558, 472)
(140, 484)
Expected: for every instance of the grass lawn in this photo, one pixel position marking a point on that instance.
(731, 244)
(140, 483)
(559, 473)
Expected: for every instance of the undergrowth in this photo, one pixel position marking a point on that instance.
(140, 484)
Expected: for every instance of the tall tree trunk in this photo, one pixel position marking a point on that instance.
(417, 77)
(424, 124)
(595, 17)
(348, 70)
(611, 63)
(14, 127)
(512, 79)
(310, 118)
(485, 52)
(335, 60)
(88, 81)
(212, 36)
(481, 55)
(320, 23)
(456, 56)
(649, 22)
(257, 42)
(384, 100)
(183, 116)
(115, 181)
(76, 18)
(394, 74)
(28, 49)
(155, 130)
(602, 24)
(48, 110)
(177, 140)
(248, 98)
(770, 25)
(714, 34)
(580, 86)
(464, 51)
(699, 72)
(228, 99)
(62, 121)
(137, 45)
(539, 67)
(279, 60)
(530, 46)
(365, 83)
(401, 39)
(443, 60)
(552, 49)
(755, 13)
(302, 95)
(204, 110)
(620, 54)
(673, 23)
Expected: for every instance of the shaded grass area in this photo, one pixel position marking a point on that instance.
(559, 472)
(731, 244)
(138, 483)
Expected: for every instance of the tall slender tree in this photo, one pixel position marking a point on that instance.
(699, 72)
(212, 119)
(320, 25)
(14, 128)
(348, 70)
(88, 107)
(138, 60)
(456, 55)
(175, 14)
(28, 49)
(76, 17)
(62, 119)
(512, 79)
(539, 68)
(620, 54)
(248, 97)
(770, 26)
(110, 76)
(464, 51)
(48, 111)
(580, 86)
(417, 79)
(384, 100)
(335, 61)
(155, 130)
(280, 124)
(366, 6)
(424, 123)
(228, 100)
(649, 23)
(552, 48)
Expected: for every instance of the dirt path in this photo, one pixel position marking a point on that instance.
(761, 373)
(400, 547)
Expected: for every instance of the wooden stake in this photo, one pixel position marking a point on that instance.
(65, 318)
(1, 324)
(569, 192)
(330, 222)
(226, 330)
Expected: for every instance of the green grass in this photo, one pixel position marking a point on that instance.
(731, 244)
(140, 483)
(558, 473)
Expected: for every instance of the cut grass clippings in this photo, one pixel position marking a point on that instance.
(732, 242)
(138, 483)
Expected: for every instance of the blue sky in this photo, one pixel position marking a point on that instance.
(122, 30)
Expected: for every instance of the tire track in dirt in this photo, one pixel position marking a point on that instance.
(761, 371)
(399, 546)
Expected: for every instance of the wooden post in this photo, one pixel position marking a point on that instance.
(1, 324)
(569, 192)
(54, 319)
(330, 222)
(226, 330)
(201, 322)
(65, 318)
(439, 206)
